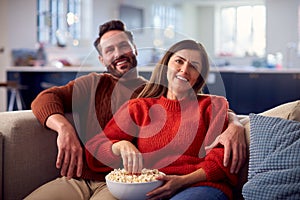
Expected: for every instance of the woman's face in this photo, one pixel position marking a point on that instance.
(184, 68)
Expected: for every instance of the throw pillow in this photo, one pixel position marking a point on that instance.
(274, 163)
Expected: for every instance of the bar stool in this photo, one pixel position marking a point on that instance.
(15, 95)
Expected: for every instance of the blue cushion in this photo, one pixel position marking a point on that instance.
(274, 163)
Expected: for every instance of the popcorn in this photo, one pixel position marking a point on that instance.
(122, 176)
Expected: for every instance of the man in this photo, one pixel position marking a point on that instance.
(94, 98)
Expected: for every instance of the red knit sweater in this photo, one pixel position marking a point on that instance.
(171, 135)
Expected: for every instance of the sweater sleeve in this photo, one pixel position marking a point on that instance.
(217, 123)
(214, 168)
(59, 99)
(98, 150)
(216, 116)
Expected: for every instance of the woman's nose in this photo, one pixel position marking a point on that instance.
(184, 68)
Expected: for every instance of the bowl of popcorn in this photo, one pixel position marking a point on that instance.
(125, 186)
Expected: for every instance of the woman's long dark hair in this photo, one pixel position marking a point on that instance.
(158, 84)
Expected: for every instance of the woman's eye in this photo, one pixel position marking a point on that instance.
(194, 66)
(179, 61)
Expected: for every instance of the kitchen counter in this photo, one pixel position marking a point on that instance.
(247, 89)
(52, 69)
(236, 69)
(65, 69)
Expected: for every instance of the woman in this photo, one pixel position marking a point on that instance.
(167, 127)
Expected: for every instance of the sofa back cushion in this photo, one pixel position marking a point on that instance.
(29, 154)
(290, 111)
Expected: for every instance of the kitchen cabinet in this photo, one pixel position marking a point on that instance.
(31, 83)
(33, 80)
(246, 90)
(256, 91)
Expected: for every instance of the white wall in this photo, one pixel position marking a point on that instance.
(18, 27)
(4, 56)
(196, 22)
(283, 29)
(103, 11)
(21, 23)
(205, 28)
(281, 32)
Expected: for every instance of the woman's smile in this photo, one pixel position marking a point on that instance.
(182, 78)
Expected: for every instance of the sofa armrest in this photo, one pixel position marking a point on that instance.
(29, 154)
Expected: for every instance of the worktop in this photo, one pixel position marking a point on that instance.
(237, 69)
(247, 89)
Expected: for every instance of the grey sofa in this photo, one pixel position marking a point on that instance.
(28, 154)
(28, 150)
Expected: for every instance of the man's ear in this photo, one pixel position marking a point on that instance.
(135, 50)
(101, 59)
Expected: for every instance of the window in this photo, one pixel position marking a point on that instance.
(58, 21)
(242, 31)
(164, 17)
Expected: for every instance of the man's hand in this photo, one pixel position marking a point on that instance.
(234, 142)
(69, 149)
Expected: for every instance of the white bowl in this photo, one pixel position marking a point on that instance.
(131, 191)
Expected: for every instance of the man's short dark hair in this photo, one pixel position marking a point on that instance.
(110, 26)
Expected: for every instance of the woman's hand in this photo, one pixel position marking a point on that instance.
(131, 156)
(172, 184)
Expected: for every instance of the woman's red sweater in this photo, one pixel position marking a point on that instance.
(171, 135)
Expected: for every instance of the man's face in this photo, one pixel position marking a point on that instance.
(118, 53)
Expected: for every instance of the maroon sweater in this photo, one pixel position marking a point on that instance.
(92, 99)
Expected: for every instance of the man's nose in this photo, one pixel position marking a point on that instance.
(117, 53)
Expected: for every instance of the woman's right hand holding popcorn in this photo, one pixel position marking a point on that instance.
(131, 156)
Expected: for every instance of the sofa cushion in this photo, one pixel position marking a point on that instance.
(274, 164)
(290, 110)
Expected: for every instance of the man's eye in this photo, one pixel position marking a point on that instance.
(108, 50)
(124, 46)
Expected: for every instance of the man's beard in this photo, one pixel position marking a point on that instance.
(112, 69)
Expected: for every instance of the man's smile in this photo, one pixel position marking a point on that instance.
(121, 63)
